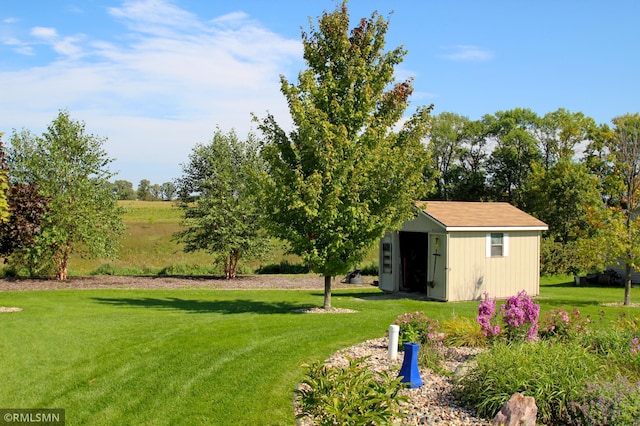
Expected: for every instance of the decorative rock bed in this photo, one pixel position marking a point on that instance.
(431, 404)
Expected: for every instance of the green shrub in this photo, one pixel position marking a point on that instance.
(606, 343)
(353, 395)
(561, 324)
(111, 269)
(284, 267)
(187, 270)
(554, 374)
(416, 327)
(105, 269)
(615, 346)
(370, 270)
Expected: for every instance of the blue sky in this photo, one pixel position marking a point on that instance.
(155, 77)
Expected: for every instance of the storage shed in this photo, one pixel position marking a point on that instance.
(455, 251)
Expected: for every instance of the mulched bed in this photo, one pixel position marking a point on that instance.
(250, 282)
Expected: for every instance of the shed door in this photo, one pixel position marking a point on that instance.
(413, 258)
(437, 267)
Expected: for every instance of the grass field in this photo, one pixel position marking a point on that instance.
(161, 357)
(148, 246)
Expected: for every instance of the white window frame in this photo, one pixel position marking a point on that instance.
(505, 244)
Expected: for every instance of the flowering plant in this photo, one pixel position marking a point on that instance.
(558, 323)
(635, 346)
(486, 317)
(416, 327)
(520, 316)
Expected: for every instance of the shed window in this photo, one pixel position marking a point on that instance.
(497, 244)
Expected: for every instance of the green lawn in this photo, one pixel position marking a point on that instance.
(196, 356)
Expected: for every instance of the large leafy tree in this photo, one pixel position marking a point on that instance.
(613, 156)
(168, 190)
(70, 168)
(472, 180)
(144, 190)
(625, 152)
(515, 151)
(560, 132)
(344, 174)
(123, 190)
(567, 198)
(563, 197)
(446, 146)
(221, 214)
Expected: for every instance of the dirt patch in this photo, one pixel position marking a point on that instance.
(9, 309)
(250, 282)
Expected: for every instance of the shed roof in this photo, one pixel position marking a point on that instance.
(466, 216)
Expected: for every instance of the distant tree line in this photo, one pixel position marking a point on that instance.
(581, 178)
(146, 191)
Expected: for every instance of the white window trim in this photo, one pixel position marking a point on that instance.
(505, 244)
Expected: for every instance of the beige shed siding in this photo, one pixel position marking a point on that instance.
(420, 224)
(471, 273)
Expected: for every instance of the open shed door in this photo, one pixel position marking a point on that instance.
(414, 261)
(385, 264)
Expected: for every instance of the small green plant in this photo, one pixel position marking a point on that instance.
(416, 327)
(353, 395)
(432, 358)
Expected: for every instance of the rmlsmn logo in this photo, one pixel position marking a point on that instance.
(32, 416)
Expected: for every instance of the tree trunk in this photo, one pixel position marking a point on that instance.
(62, 263)
(327, 292)
(627, 284)
(226, 267)
(231, 264)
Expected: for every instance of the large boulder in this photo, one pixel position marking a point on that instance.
(520, 410)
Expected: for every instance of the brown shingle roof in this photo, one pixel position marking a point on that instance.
(459, 214)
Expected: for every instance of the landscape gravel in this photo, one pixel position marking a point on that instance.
(434, 403)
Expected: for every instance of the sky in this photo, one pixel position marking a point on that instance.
(156, 77)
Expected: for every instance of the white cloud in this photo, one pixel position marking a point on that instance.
(45, 33)
(465, 52)
(158, 88)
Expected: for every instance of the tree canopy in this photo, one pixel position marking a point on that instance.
(70, 169)
(344, 175)
(221, 214)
